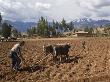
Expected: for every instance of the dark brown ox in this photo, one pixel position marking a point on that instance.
(58, 50)
(61, 50)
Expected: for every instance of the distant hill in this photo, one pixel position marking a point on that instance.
(78, 23)
(21, 26)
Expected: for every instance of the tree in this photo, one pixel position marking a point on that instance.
(98, 32)
(86, 29)
(91, 30)
(64, 25)
(54, 25)
(31, 31)
(54, 28)
(14, 32)
(57, 25)
(0, 18)
(107, 30)
(58, 28)
(70, 26)
(42, 27)
(0, 23)
(6, 30)
(0, 31)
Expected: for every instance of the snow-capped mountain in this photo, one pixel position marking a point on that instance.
(85, 22)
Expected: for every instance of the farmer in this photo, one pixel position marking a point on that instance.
(15, 56)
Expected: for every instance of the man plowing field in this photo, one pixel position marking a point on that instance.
(15, 56)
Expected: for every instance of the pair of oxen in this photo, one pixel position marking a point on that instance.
(58, 51)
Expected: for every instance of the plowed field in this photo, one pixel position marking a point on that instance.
(91, 64)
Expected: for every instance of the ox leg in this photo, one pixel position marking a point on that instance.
(55, 59)
(61, 58)
(67, 57)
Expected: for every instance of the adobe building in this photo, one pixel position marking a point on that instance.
(81, 34)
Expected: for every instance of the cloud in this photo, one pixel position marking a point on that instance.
(22, 10)
(38, 4)
(95, 8)
(94, 4)
(25, 10)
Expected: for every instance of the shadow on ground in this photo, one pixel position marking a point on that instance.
(74, 59)
(1, 77)
(29, 69)
(33, 68)
(70, 59)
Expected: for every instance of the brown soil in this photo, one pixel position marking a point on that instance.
(89, 65)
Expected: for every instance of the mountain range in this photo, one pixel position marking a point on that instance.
(21, 26)
(78, 23)
(85, 22)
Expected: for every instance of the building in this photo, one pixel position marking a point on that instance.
(76, 34)
(81, 34)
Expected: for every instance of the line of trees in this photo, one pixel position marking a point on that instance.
(7, 30)
(89, 30)
(99, 31)
(43, 29)
(47, 29)
(0, 24)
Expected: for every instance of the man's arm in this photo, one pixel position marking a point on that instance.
(20, 54)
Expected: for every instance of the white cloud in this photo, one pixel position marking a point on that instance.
(94, 4)
(26, 10)
(38, 4)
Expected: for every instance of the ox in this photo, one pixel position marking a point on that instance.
(61, 50)
(58, 50)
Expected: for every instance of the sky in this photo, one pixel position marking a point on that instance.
(32, 10)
